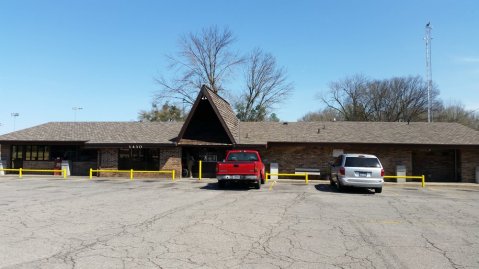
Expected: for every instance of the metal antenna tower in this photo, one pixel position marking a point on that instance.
(428, 38)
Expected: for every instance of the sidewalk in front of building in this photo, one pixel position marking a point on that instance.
(213, 180)
(388, 183)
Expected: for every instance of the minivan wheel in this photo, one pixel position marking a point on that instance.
(378, 190)
(339, 186)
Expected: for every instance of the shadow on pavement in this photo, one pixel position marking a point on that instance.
(345, 190)
(229, 186)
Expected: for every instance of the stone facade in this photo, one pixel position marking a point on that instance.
(170, 159)
(108, 158)
(109, 161)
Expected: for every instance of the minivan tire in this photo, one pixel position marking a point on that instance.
(378, 190)
(339, 186)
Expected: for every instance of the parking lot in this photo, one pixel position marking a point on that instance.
(118, 223)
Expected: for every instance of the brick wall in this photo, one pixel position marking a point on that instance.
(170, 159)
(6, 155)
(38, 164)
(290, 157)
(469, 162)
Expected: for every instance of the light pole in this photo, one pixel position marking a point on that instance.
(75, 109)
(14, 115)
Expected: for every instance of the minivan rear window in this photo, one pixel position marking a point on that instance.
(361, 162)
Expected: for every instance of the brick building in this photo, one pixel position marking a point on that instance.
(441, 151)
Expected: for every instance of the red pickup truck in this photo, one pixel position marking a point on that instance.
(241, 165)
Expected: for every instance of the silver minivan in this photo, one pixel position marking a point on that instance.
(357, 170)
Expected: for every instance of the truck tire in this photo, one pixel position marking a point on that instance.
(221, 184)
(257, 184)
(262, 180)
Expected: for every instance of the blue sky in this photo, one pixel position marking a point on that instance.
(103, 56)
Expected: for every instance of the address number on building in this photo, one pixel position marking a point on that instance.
(135, 146)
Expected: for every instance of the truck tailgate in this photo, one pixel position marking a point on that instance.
(236, 168)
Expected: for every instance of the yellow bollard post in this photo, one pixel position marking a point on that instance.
(91, 173)
(64, 172)
(306, 178)
(131, 174)
(423, 183)
(200, 175)
(20, 173)
(172, 175)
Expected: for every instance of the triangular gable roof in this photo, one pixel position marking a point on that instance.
(221, 108)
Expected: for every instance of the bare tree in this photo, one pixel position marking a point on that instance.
(456, 112)
(326, 114)
(205, 58)
(360, 99)
(348, 97)
(266, 86)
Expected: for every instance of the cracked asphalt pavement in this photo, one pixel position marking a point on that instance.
(117, 223)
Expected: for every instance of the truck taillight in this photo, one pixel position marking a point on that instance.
(342, 171)
(382, 172)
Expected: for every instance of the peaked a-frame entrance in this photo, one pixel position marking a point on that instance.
(210, 129)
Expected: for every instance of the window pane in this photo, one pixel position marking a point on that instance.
(41, 149)
(34, 153)
(46, 155)
(28, 153)
(19, 152)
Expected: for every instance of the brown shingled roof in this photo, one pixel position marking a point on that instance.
(223, 110)
(99, 132)
(254, 133)
(437, 133)
(227, 114)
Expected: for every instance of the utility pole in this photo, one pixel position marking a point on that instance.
(428, 39)
(75, 109)
(14, 115)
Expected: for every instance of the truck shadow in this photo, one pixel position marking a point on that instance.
(345, 190)
(228, 187)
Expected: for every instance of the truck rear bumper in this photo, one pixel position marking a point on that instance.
(236, 177)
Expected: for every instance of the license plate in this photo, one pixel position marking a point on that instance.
(363, 174)
(236, 177)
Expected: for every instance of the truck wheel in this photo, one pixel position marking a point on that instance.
(262, 180)
(257, 184)
(221, 184)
